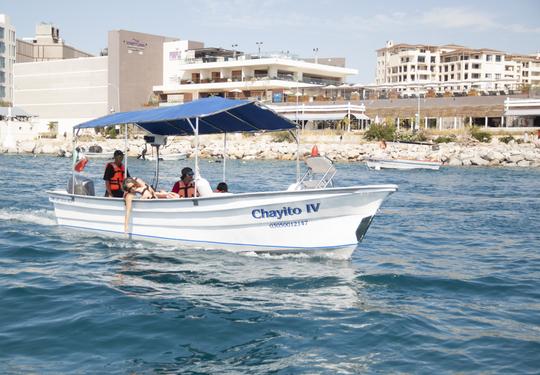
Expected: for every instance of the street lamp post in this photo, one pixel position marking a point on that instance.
(234, 50)
(316, 50)
(259, 47)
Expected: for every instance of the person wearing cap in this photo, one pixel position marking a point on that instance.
(185, 187)
(114, 176)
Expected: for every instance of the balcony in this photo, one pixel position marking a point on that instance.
(261, 77)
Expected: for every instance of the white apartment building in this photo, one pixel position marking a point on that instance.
(408, 69)
(191, 71)
(66, 92)
(7, 58)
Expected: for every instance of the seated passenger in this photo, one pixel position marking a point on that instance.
(133, 186)
(185, 187)
(222, 188)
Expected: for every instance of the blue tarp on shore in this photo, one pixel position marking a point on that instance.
(216, 115)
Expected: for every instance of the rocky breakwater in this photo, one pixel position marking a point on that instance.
(454, 154)
(266, 148)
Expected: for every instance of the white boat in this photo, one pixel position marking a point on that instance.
(173, 156)
(99, 155)
(308, 217)
(378, 164)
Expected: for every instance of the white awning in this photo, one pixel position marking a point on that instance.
(523, 112)
(322, 116)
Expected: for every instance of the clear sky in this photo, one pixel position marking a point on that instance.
(348, 28)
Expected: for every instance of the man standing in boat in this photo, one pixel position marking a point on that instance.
(114, 176)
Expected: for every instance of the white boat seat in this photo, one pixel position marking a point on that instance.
(320, 173)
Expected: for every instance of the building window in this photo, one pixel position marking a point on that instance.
(497, 75)
(236, 75)
(421, 59)
(488, 75)
(476, 66)
(475, 76)
(498, 58)
(446, 68)
(489, 57)
(1, 33)
(452, 67)
(432, 59)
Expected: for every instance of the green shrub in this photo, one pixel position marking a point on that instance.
(480, 135)
(283, 136)
(411, 137)
(445, 138)
(380, 132)
(506, 139)
(110, 132)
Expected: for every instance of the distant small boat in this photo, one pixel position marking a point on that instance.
(378, 164)
(175, 156)
(99, 155)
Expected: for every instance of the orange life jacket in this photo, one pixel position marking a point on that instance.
(117, 179)
(186, 191)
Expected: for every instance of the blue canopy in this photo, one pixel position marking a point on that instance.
(216, 115)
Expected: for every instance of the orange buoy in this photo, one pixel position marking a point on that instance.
(81, 164)
(314, 151)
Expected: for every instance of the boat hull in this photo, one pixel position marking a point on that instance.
(378, 164)
(168, 157)
(311, 221)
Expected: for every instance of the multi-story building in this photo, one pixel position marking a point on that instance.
(58, 88)
(191, 71)
(7, 58)
(409, 69)
(46, 45)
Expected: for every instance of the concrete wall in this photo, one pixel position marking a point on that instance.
(135, 66)
(63, 89)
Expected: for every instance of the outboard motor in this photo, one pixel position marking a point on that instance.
(80, 185)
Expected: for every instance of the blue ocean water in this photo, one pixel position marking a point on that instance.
(447, 280)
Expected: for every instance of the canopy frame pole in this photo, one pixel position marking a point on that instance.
(224, 156)
(196, 132)
(125, 150)
(74, 160)
(297, 155)
(296, 136)
(157, 169)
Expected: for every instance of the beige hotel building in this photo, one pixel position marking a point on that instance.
(412, 68)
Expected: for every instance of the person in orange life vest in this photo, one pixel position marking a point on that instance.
(222, 188)
(185, 188)
(114, 176)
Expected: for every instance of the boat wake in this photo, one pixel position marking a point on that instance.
(40, 217)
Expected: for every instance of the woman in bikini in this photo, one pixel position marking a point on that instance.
(133, 186)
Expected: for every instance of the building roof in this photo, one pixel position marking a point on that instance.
(15, 112)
